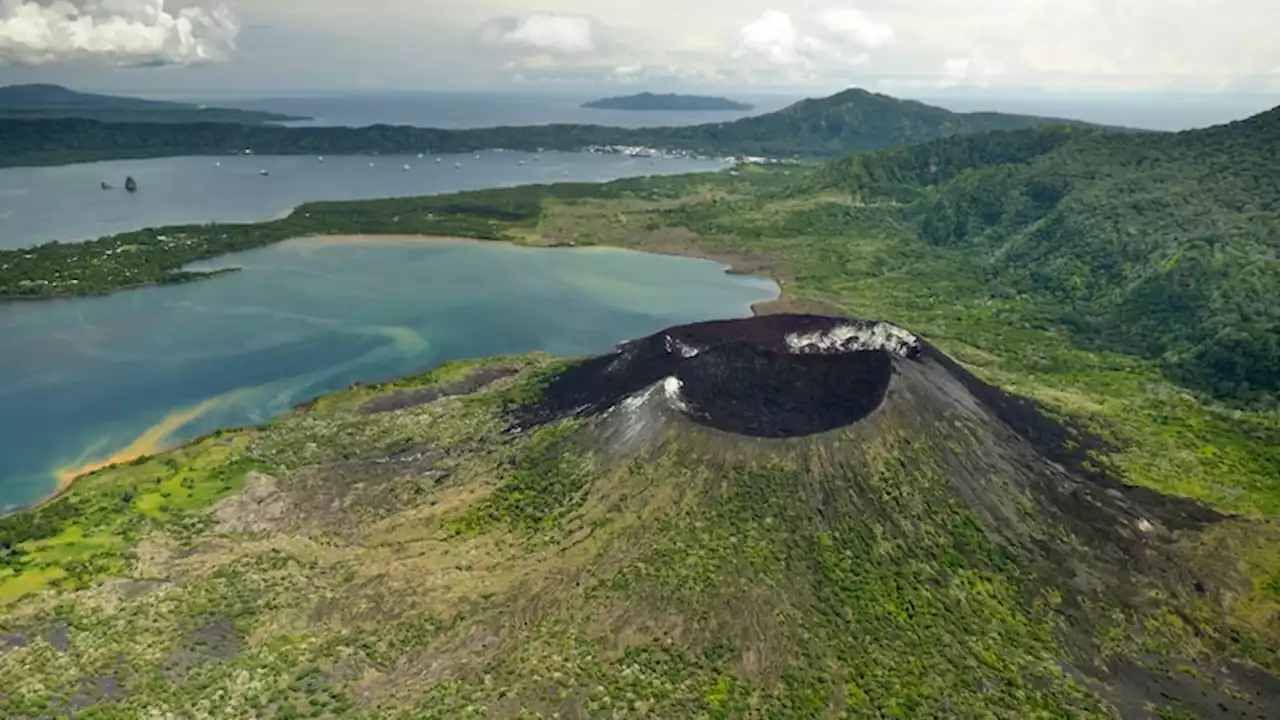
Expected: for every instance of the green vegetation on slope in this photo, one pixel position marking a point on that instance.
(455, 570)
(851, 120)
(44, 102)
(1166, 247)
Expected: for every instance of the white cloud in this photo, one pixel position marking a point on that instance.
(836, 38)
(774, 37)
(855, 25)
(123, 32)
(554, 33)
(819, 44)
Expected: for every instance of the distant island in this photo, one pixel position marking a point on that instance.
(49, 102)
(669, 101)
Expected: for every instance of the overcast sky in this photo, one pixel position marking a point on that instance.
(807, 45)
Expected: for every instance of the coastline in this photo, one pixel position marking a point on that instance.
(195, 276)
(31, 280)
(151, 441)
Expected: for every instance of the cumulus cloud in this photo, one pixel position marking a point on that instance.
(554, 33)
(774, 37)
(835, 37)
(855, 25)
(122, 32)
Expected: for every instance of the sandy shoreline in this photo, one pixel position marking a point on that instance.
(68, 477)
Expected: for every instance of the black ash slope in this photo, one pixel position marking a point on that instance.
(740, 376)
(793, 376)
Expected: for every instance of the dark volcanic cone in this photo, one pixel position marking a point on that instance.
(773, 376)
(867, 410)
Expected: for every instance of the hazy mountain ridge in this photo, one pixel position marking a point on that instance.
(845, 122)
(44, 101)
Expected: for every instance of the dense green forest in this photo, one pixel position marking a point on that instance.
(1166, 246)
(849, 121)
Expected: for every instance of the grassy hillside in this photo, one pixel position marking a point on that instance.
(851, 120)
(1164, 246)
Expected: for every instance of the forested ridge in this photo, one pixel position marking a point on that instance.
(842, 123)
(1163, 245)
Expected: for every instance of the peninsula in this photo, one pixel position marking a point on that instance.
(45, 102)
(669, 101)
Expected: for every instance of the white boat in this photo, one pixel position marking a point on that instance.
(520, 162)
(420, 156)
(437, 159)
(218, 164)
(477, 156)
(370, 164)
(457, 165)
(320, 159)
(263, 172)
(406, 168)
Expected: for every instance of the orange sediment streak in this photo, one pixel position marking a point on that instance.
(150, 442)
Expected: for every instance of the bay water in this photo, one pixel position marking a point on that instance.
(68, 204)
(91, 380)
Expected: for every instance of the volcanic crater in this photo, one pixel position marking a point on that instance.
(773, 376)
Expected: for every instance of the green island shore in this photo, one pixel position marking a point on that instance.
(454, 568)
